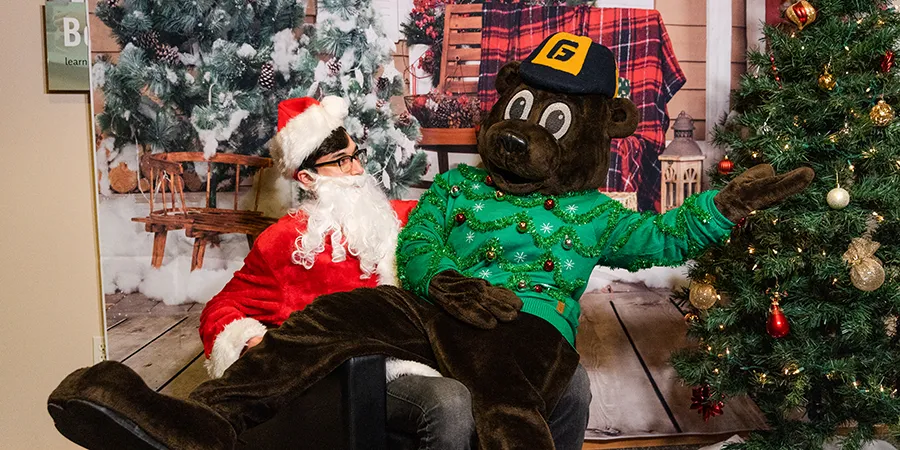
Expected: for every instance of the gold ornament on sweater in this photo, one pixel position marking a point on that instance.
(866, 271)
(882, 114)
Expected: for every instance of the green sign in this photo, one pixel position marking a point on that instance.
(68, 55)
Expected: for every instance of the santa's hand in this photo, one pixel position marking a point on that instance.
(473, 300)
(759, 188)
(252, 342)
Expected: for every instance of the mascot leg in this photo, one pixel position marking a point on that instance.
(108, 406)
(516, 373)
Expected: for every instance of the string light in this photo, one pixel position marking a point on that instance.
(751, 250)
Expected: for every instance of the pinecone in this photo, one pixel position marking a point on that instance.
(267, 76)
(334, 66)
(405, 119)
(167, 54)
(448, 113)
(111, 3)
(383, 84)
(148, 41)
(365, 134)
(380, 103)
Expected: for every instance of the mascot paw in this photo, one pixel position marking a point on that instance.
(473, 300)
(759, 188)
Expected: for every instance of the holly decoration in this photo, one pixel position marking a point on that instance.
(267, 76)
(725, 166)
(777, 325)
(702, 402)
(801, 14)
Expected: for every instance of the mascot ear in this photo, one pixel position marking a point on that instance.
(623, 118)
(508, 77)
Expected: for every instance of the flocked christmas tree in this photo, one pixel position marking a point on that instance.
(207, 75)
(800, 309)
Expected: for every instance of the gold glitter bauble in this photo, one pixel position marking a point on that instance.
(703, 295)
(882, 114)
(827, 81)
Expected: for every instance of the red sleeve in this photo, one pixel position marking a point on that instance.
(254, 291)
(403, 208)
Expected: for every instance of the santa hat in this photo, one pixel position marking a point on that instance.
(303, 124)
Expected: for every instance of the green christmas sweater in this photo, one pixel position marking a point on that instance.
(544, 247)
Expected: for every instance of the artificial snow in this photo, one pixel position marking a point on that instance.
(284, 52)
(188, 78)
(246, 51)
(171, 76)
(98, 74)
(654, 277)
(125, 254)
(211, 138)
(105, 149)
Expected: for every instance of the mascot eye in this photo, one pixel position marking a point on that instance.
(556, 119)
(519, 107)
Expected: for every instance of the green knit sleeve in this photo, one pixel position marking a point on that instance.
(640, 240)
(422, 249)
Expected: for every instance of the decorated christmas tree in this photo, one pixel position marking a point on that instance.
(800, 309)
(207, 75)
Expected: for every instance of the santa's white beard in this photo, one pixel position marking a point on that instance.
(357, 215)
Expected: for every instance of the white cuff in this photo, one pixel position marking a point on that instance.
(396, 368)
(230, 342)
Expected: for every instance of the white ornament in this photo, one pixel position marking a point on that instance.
(838, 198)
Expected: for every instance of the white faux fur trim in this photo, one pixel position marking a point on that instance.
(229, 343)
(396, 368)
(305, 132)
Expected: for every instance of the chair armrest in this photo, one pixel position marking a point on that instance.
(344, 410)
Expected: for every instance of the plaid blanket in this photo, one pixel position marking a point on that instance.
(639, 40)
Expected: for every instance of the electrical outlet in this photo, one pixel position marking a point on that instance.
(99, 349)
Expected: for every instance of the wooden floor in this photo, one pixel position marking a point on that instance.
(626, 336)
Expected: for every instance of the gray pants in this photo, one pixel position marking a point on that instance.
(435, 413)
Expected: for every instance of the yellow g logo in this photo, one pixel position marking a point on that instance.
(565, 52)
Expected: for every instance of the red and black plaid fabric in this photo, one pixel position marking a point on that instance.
(645, 57)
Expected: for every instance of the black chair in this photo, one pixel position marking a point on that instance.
(345, 410)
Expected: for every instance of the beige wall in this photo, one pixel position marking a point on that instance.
(49, 288)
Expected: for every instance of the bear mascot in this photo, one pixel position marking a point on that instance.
(492, 264)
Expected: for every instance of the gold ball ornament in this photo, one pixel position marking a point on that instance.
(882, 114)
(838, 198)
(827, 81)
(801, 14)
(703, 295)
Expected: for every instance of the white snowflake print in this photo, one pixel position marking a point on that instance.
(484, 273)
(520, 257)
(478, 207)
(476, 186)
(571, 209)
(546, 228)
(470, 236)
(569, 264)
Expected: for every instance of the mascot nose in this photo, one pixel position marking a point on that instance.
(513, 143)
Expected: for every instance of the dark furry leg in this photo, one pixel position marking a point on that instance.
(312, 343)
(516, 373)
(108, 406)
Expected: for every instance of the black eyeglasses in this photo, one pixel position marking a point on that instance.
(346, 162)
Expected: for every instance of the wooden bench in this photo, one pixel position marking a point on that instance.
(205, 223)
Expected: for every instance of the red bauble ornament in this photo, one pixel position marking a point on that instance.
(725, 166)
(801, 13)
(548, 265)
(488, 180)
(887, 61)
(777, 326)
(549, 204)
(460, 218)
(700, 400)
(538, 288)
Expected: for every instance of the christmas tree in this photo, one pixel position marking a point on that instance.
(207, 75)
(800, 309)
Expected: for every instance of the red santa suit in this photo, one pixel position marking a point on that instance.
(270, 286)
